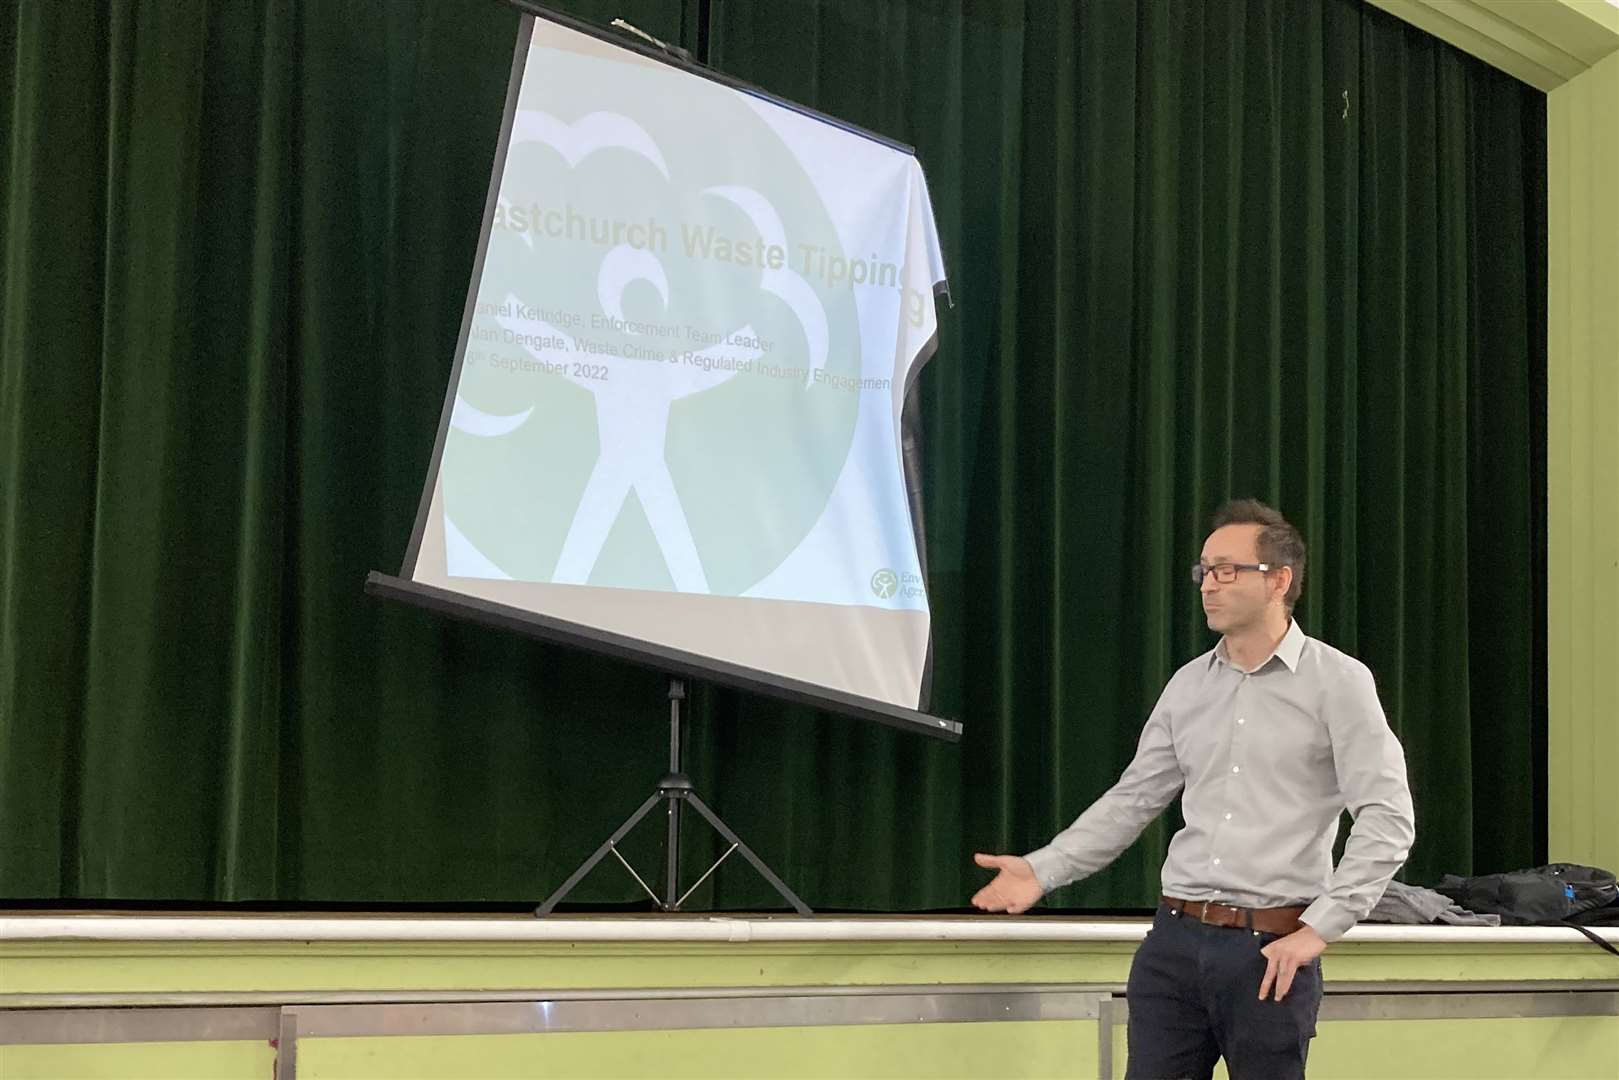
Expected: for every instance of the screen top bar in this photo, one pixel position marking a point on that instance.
(622, 41)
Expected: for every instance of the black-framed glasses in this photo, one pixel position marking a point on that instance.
(1225, 573)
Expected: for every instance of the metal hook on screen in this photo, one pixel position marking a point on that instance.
(673, 50)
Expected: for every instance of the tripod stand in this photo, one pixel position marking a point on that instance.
(675, 788)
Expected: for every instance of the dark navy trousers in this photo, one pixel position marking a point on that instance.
(1194, 997)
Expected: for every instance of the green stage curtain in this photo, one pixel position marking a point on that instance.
(1286, 249)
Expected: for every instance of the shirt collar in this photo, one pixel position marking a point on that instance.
(1288, 650)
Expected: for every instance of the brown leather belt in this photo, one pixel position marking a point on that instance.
(1274, 920)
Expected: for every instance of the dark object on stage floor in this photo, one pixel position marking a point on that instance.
(1543, 896)
(1602, 916)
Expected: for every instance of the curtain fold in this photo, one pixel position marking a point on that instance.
(1286, 248)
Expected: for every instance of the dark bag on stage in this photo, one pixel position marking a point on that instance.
(1546, 894)
(1555, 895)
(1602, 916)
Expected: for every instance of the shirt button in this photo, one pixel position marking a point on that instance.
(1241, 720)
(1216, 862)
(1228, 817)
(1236, 768)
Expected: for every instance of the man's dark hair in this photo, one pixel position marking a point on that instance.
(1279, 542)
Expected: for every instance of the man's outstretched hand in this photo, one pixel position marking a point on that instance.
(1014, 890)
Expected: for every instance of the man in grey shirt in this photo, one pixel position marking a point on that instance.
(1268, 737)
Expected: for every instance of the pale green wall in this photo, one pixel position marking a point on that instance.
(1583, 466)
(1544, 1048)
(34, 970)
(140, 1061)
(1505, 1048)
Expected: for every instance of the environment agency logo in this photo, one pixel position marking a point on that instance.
(884, 584)
(644, 405)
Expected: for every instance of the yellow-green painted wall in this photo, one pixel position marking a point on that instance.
(140, 1061)
(1583, 466)
(1566, 1048)
(1530, 1048)
(37, 972)
(1015, 1050)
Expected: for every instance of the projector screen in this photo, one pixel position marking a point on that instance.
(675, 409)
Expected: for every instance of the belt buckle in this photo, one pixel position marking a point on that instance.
(1232, 916)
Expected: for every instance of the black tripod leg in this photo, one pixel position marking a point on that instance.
(747, 853)
(590, 864)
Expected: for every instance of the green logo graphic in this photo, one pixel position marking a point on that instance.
(650, 397)
(884, 584)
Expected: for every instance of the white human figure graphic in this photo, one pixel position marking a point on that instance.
(634, 399)
(632, 423)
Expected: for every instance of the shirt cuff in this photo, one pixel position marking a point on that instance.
(1328, 918)
(1046, 863)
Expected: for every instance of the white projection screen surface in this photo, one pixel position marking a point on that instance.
(675, 409)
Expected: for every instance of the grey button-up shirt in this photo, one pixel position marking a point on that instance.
(1268, 759)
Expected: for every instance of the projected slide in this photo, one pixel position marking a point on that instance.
(675, 412)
